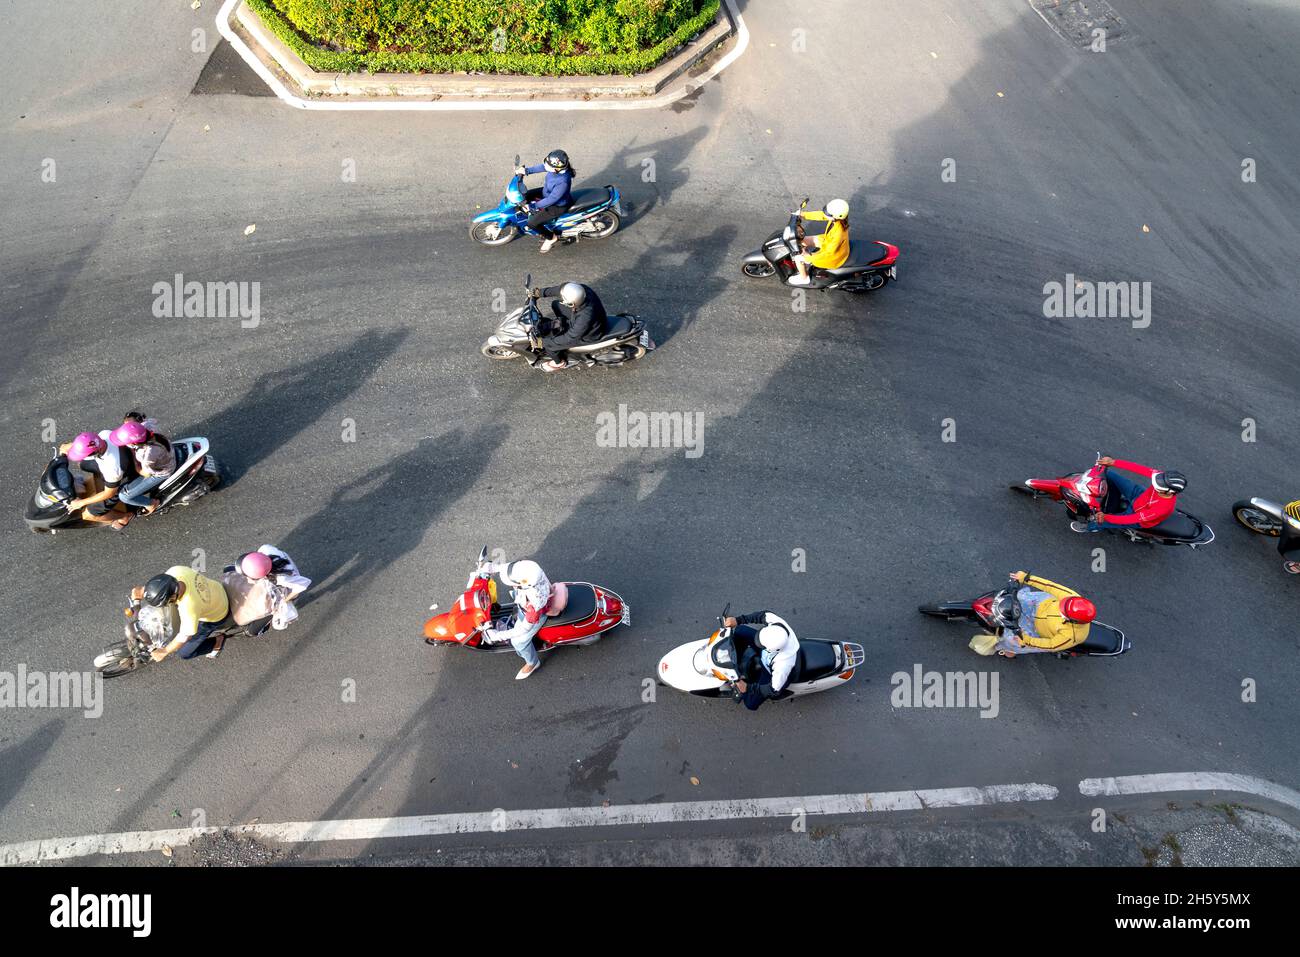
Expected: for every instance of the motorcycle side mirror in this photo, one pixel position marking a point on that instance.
(516, 159)
(804, 204)
(482, 555)
(528, 283)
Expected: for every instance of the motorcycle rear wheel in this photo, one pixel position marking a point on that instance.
(949, 611)
(1256, 520)
(606, 224)
(621, 355)
(482, 233)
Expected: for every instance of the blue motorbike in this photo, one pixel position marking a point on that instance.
(595, 214)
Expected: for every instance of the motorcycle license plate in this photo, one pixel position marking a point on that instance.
(893, 273)
(210, 465)
(646, 342)
(627, 615)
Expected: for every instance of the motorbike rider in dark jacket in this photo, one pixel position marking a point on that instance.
(578, 318)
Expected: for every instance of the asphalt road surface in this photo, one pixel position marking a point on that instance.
(823, 429)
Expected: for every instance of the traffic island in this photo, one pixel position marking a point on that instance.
(690, 61)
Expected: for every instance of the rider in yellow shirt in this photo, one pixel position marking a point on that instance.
(201, 602)
(830, 250)
(1052, 618)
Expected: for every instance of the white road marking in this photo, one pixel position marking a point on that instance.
(1190, 781)
(647, 103)
(368, 829)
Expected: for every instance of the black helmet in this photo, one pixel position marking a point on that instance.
(557, 160)
(1169, 481)
(161, 590)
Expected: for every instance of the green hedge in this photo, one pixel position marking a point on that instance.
(535, 37)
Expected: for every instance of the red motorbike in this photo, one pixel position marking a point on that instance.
(579, 614)
(1000, 609)
(1084, 493)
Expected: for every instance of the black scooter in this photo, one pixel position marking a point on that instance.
(870, 264)
(196, 475)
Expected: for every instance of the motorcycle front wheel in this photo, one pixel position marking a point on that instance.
(498, 352)
(949, 611)
(492, 234)
(116, 661)
(1257, 520)
(757, 270)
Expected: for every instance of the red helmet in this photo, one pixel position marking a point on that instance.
(1078, 608)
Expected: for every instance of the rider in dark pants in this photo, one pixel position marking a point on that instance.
(556, 198)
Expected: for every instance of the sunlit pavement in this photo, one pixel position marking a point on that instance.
(823, 428)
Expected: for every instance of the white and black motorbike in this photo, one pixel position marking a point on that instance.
(1265, 517)
(711, 666)
(626, 339)
(196, 474)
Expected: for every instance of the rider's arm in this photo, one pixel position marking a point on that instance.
(1051, 587)
(1134, 467)
(757, 618)
(1107, 518)
(530, 170)
(817, 216)
(549, 198)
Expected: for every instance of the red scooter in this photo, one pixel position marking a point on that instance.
(1084, 493)
(579, 614)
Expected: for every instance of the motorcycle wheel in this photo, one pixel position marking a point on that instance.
(116, 661)
(497, 352)
(1257, 521)
(949, 611)
(757, 270)
(616, 357)
(869, 284)
(606, 224)
(1026, 490)
(482, 233)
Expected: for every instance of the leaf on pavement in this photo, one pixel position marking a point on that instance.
(250, 229)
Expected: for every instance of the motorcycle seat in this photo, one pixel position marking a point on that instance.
(580, 606)
(1177, 525)
(816, 659)
(616, 327)
(1102, 640)
(585, 199)
(861, 255)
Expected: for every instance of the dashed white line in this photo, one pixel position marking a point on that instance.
(502, 821)
(648, 103)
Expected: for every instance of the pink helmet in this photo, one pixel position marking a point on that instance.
(129, 432)
(255, 565)
(85, 445)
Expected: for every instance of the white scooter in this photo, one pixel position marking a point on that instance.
(710, 667)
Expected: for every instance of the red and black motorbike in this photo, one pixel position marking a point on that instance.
(1000, 609)
(870, 264)
(579, 614)
(1084, 493)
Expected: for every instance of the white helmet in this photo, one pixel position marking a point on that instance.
(522, 573)
(573, 294)
(837, 209)
(773, 637)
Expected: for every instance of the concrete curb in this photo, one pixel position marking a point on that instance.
(483, 91)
